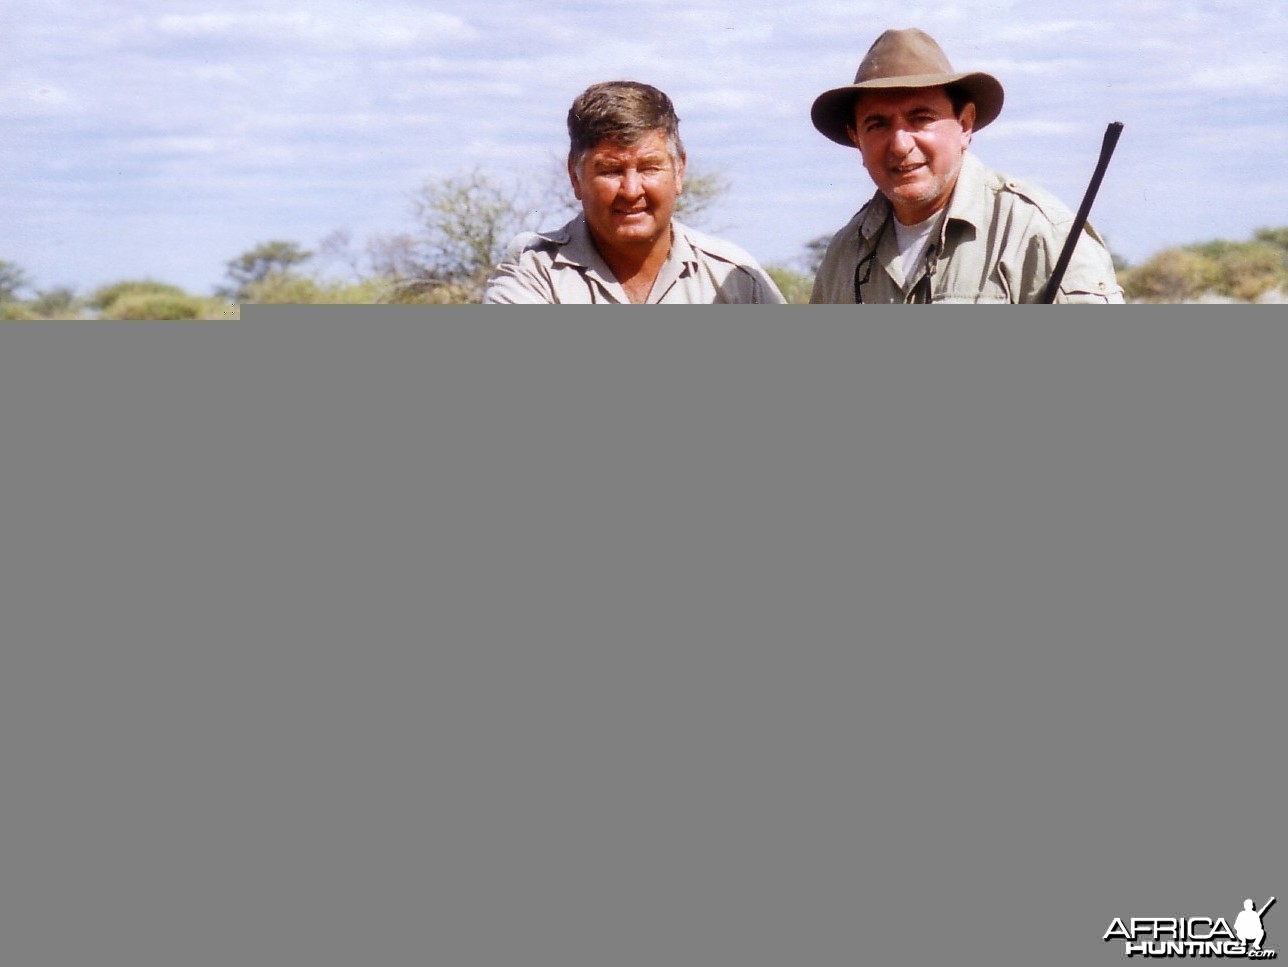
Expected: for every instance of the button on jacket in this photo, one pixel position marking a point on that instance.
(562, 266)
(999, 243)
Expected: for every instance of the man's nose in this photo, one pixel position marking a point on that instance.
(632, 183)
(902, 141)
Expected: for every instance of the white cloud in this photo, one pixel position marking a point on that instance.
(722, 99)
(1251, 76)
(1005, 67)
(217, 73)
(1027, 33)
(1033, 128)
(338, 28)
(208, 24)
(1268, 137)
(175, 145)
(29, 97)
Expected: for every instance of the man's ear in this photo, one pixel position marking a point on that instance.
(574, 177)
(853, 133)
(968, 123)
(679, 174)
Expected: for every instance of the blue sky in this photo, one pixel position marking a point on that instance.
(161, 139)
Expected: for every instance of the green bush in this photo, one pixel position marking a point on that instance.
(795, 286)
(13, 311)
(1237, 270)
(1174, 275)
(1250, 269)
(166, 305)
(1278, 237)
(106, 297)
(290, 288)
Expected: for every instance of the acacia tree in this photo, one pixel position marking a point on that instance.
(466, 223)
(703, 191)
(12, 280)
(257, 264)
(58, 302)
(463, 223)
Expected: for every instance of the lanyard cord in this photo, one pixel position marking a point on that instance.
(863, 268)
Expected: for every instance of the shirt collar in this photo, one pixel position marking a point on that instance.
(970, 200)
(681, 250)
(577, 248)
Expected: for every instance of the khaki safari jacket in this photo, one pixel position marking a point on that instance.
(563, 266)
(998, 243)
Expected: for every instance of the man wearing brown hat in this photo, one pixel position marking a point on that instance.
(626, 165)
(941, 227)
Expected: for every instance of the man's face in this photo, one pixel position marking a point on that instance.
(628, 192)
(912, 146)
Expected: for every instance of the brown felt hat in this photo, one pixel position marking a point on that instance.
(903, 59)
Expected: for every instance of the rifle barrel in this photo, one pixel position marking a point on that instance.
(1080, 220)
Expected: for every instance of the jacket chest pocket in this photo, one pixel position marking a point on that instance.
(993, 290)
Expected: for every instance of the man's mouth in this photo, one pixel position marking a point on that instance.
(907, 169)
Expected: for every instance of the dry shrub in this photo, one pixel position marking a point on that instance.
(290, 288)
(106, 297)
(15, 311)
(1174, 275)
(422, 292)
(165, 305)
(1249, 270)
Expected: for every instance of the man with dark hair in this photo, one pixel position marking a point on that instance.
(941, 227)
(626, 164)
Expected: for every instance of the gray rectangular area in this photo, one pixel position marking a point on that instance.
(740, 635)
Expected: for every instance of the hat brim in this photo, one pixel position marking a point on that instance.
(833, 111)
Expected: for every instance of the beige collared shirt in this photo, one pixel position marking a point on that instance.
(562, 266)
(999, 243)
